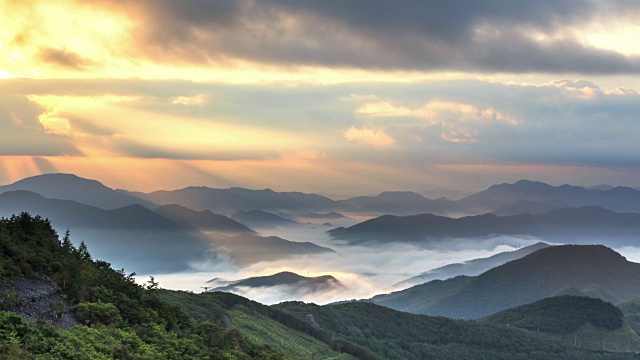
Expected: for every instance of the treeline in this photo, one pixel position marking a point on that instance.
(122, 320)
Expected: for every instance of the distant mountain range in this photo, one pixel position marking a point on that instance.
(399, 202)
(133, 236)
(445, 193)
(529, 207)
(330, 215)
(584, 270)
(294, 282)
(72, 187)
(573, 225)
(471, 267)
(247, 249)
(503, 199)
(229, 201)
(204, 220)
(261, 219)
(620, 199)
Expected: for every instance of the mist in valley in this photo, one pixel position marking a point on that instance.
(364, 271)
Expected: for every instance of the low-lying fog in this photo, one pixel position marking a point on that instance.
(363, 270)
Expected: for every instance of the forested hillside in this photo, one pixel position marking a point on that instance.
(120, 319)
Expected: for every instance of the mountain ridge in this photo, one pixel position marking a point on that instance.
(72, 187)
(109, 232)
(589, 224)
(204, 220)
(285, 278)
(593, 270)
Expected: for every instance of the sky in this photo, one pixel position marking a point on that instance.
(333, 96)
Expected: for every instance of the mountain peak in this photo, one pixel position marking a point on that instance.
(58, 178)
(72, 187)
(593, 270)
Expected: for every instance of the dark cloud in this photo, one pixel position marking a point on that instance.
(63, 58)
(415, 34)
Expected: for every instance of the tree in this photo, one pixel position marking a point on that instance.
(84, 251)
(152, 284)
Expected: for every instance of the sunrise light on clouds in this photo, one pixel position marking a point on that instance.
(240, 93)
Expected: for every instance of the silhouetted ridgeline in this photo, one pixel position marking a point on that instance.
(573, 225)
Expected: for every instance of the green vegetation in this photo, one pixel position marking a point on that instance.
(265, 324)
(561, 315)
(263, 330)
(122, 319)
(397, 335)
(579, 321)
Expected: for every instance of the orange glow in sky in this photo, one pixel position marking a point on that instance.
(143, 95)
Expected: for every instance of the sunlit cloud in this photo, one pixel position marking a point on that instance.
(274, 90)
(196, 100)
(371, 137)
(458, 121)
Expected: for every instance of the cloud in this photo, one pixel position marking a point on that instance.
(63, 57)
(484, 35)
(458, 122)
(370, 137)
(565, 122)
(195, 100)
(25, 133)
(363, 270)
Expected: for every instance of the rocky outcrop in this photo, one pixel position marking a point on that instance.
(37, 299)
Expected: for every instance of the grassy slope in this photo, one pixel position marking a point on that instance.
(253, 324)
(263, 330)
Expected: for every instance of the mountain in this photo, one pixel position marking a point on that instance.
(602, 187)
(294, 282)
(331, 215)
(445, 193)
(399, 203)
(588, 270)
(125, 320)
(398, 335)
(577, 321)
(471, 267)
(620, 199)
(631, 311)
(561, 315)
(132, 237)
(261, 219)
(229, 201)
(529, 207)
(570, 225)
(204, 220)
(247, 249)
(72, 187)
(115, 317)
